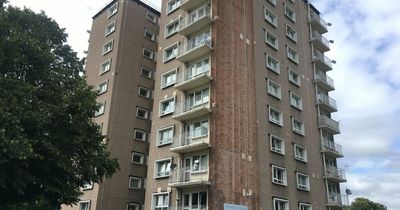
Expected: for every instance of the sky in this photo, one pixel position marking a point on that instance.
(366, 35)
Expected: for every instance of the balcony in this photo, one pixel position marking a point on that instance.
(189, 5)
(338, 200)
(188, 82)
(185, 112)
(335, 174)
(327, 103)
(319, 41)
(324, 81)
(191, 25)
(332, 149)
(328, 125)
(321, 61)
(184, 178)
(192, 50)
(318, 23)
(190, 142)
(198, 207)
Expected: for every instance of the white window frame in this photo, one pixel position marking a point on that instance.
(169, 100)
(200, 166)
(271, 84)
(146, 69)
(168, 73)
(294, 129)
(148, 95)
(267, 14)
(293, 81)
(273, 60)
(271, 44)
(273, 2)
(156, 173)
(300, 186)
(142, 158)
(151, 17)
(173, 22)
(197, 129)
(101, 109)
(305, 206)
(112, 10)
(176, 6)
(153, 35)
(105, 67)
(281, 150)
(292, 55)
(293, 98)
(297, 156)
(142, 109)
(85, 201)
(131, 204)
(151, 57)
(88, 186)
(277, 122)
(132, 178)
(160, 131)
(105, 49)
(280, 200)
(143, 132)
(174, 52)
(154, 205)
(278, 180)
(288, 10)
(112, 25)
(100, 87)
(289, 35)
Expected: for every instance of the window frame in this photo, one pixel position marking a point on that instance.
(280, 200)
(148, 69)
(142, 109)
(153, 35)
(148, 95)
(274, 46)
(293, 72)
(102, 108)
(274, 60)
(278, 88)
(168, 10)
(106, 33)
(137, 179)
(151, 57)
(173, 56)
(293, 95)
(151, 17)
(289, 52)
(142, 158)
(276, 180)
(110, 14)
(269, 13)
(136, 205)
(154, 200)
(299, 157)
(100, 89)
(84, 201)
(273, 2)
(294, 37)
(144, 133)
(87, 186)
(172, 22)
(300, 186)
(308, 206)
(280, 123)
(282, 141)
(105, 52)
(172, 71)
(159, 131)
(295, 130)
(103, 65)
(287, 9)
(170, 99)
(156, 174)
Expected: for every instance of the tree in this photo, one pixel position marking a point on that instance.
(49, 145)
(366, 204)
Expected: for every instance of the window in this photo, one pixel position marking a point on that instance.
(277, 145)
(146, 72)
(291, 33)
(144, 92)
(197, 98)
(270, 17)
(142, 113)
(280, 204)
(199, 162)
(84, 205)
(279, 175)
(296, 101)
(112, 10)
(171, 28)
(105, 67)
(167, 106)
(303, 181)
(165, 136)
(289, 13)
(198, 68)
(294, 77)
(148, 53)
(273, 64)
(161, 201)
(162, 168)
(151, 17)
(195, 200)
(138, 158)
(149, 35)
(168, 78)
(300, 153)
(173, 5)
(101, 109)
(275, 116)
(107, 47)
(171, 52)
(196, 129)
(132, 206)
(274, 89)
(102, 87)
(87, 186)
(273, 2)
(304, 206)
(297, 126)
(271, 40)
(135, 182)
(110, 28)
(139, 134)
(292, 55)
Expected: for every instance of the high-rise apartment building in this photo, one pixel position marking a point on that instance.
(242, 113)
(121, 66)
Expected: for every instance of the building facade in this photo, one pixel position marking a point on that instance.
(121, 66)
(241, 112)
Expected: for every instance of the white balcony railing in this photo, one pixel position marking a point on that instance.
(195, 48)
(192, 140)
(318, 23)
(181, 177)
(335, 173)
(333, 148)
(317, 36)
(189, 20)
(328, 101)
(193, 207)
(325, 62)
(325, 79)
(337, 199)
(331, 125)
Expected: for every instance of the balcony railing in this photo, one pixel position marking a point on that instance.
(333, 149)
(187, 82)
(318, 23)
(322, 62)
(336, 199)
(320, 41)
(183, 177)
(329, 125)
(326, 102)
(193, 207)
(337, 174)
(191, 25)
(189, 5)
(192, 50)
(186, 112)
(191, 141)
(324, 81)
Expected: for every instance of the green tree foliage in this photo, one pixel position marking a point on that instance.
(366, 204)
(49, 145)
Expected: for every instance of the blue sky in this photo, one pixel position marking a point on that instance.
(366, 36)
